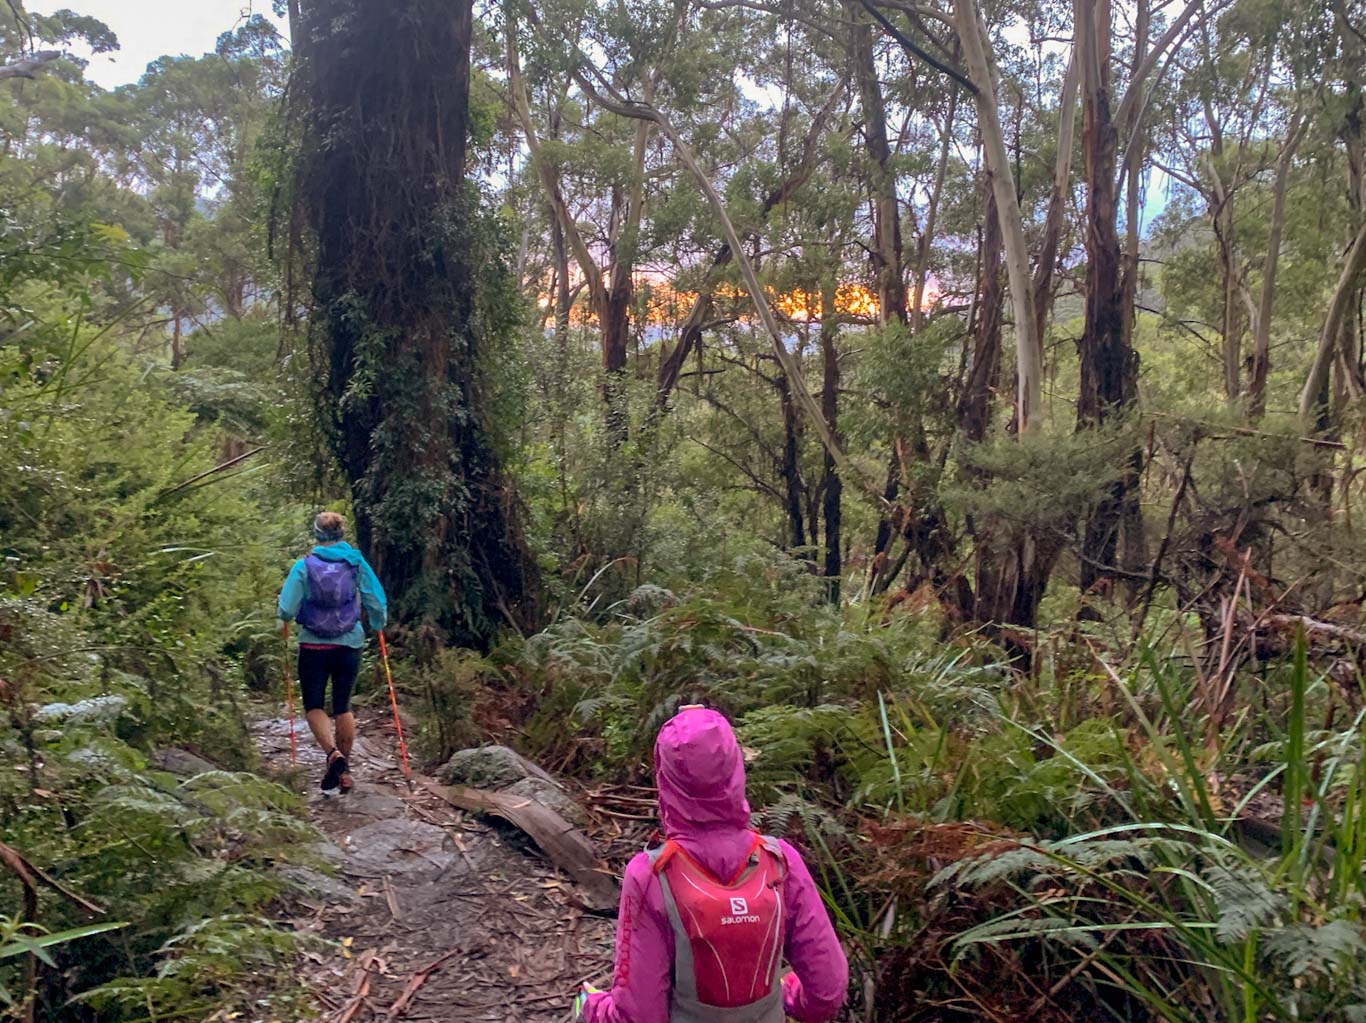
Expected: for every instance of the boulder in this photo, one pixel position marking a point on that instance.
(410, 851)
(98, 710)
(328, 852)
(490, 767)
(550, 795)
(96, 759)
(313, 886)
(499, 769)
(181, 762)
(366, 800)
(649, 599)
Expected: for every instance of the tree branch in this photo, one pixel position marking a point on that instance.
(910, 47)
(609, 99)
(29, 66)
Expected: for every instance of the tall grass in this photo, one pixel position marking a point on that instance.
(1196, 909)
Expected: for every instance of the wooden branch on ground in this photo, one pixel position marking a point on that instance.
(360, 991)
(562, 843)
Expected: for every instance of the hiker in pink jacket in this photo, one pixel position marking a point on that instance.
(704, 917)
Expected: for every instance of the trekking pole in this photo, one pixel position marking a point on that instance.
(289, 698)
(393, 702)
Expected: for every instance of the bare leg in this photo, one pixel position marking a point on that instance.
(321, 727)
(346, 733)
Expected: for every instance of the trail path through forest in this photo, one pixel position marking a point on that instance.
(436, 914)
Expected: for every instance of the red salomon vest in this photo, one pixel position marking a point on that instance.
(728, 937)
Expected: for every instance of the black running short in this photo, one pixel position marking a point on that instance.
(317, 664)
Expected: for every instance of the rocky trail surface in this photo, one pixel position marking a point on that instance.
(436, 914)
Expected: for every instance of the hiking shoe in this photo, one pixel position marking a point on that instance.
(336, 764)
(344, 782)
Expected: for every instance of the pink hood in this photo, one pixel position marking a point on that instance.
(700, 774)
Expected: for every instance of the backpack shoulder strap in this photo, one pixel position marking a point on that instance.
(661, 854)
(774, 848)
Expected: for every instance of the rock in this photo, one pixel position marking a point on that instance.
(328, 851)
(316, 887)
(500, 769)
(181, 762)
(89, 756)
(648, 600)
(550, 795)
(490, 767)
(409, 851)
(99, 710)
(366, 800)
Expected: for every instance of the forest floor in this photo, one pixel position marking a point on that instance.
(434, 914)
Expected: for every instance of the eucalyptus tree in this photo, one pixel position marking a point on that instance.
(413, 296)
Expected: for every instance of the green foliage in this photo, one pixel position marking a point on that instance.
(1241, 929)
(18, 938)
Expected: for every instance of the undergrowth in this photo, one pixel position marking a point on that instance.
(1080, 842)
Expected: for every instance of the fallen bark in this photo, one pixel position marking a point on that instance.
(565, 845)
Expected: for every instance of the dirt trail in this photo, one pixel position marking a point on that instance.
(418, 882)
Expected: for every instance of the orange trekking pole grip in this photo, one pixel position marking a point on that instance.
(289, 697)
(393, 702)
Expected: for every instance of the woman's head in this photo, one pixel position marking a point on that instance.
(700, 773)
(329, 527)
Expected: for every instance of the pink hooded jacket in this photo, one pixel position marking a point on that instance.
(700, 774)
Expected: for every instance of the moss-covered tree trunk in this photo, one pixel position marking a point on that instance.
(411, 293)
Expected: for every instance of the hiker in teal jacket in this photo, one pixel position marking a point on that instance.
(327, 592)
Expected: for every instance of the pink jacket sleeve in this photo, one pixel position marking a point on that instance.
(643, 970)
(816, 988)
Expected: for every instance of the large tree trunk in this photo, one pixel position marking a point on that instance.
(886, 250)
(1133, 184)
(1028, 343)
(616, 326)
(831, 489)
(1233, 316)
(984, 371)
(1011, 565)
(1108, 365)
(395, 287)
(616, 338)
(1352, 381)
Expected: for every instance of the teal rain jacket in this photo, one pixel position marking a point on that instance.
(373, 604)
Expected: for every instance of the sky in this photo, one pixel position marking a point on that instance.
(148, 29)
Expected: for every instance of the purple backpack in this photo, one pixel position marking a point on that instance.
(332, 607)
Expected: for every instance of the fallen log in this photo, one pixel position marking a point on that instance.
(563, 844)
